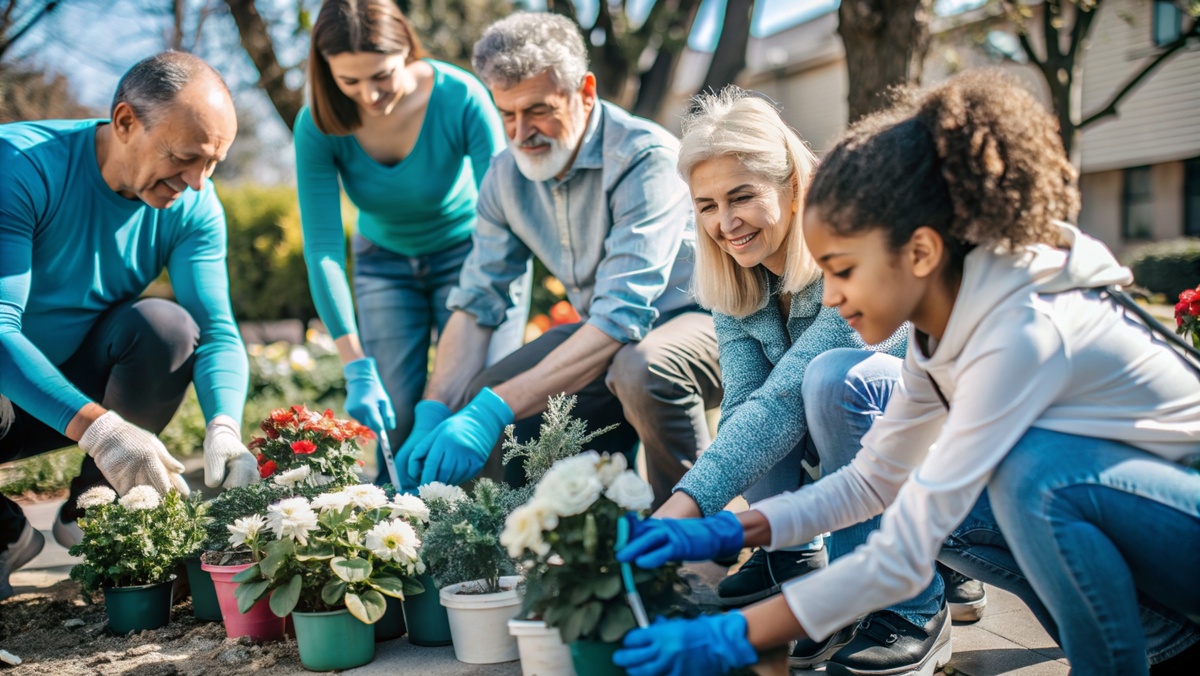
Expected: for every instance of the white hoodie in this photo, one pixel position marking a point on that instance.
(1026, 346)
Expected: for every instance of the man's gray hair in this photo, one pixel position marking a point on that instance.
(524, 44)
(152, 84)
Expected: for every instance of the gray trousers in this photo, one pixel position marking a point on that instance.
(656, 391)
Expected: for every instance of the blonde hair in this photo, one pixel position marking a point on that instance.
(738, 124)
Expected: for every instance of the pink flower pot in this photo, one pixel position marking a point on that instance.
(260, 624)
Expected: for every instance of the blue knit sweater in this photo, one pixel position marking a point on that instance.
(762, 368)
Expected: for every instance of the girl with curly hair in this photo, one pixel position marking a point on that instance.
(1042, 416)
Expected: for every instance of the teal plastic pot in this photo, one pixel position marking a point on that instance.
(333, 640)
(204, 595)
(594, 658)
(424, 616)
(391, 625)
(138, 608)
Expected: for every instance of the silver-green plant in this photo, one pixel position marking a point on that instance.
(560, 436)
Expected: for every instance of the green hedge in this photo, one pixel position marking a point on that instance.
(1165, 267)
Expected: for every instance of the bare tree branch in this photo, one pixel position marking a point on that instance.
(256, 40)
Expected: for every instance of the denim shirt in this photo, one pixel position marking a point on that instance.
(617, 230)
(762, 368)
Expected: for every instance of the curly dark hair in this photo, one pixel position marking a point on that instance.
(976, 158)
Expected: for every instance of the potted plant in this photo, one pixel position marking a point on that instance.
(424, 615)
(310, 448)
(566, 535)
(332, 563)
(130, 549)
(474, 572)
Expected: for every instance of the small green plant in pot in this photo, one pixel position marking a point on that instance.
(331, 564)
(130, 548)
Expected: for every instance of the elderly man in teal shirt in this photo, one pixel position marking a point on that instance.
(92, 211)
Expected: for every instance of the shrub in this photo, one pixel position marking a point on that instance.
(463, 540)
(1166, 267)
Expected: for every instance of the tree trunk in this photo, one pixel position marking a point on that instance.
(256, 40)
(729, 58)
(886, 42)
(654, 85)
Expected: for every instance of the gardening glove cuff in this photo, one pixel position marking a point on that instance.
(490, 409)
(656, 541)
(227, 462)
(129, 456)
(460, 446)
(710, 644)
(366, 399)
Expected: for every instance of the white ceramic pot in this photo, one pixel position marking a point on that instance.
(542, 651)
(478, 622)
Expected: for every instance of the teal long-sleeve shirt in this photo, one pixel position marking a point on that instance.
(423, 204)
(71, 248)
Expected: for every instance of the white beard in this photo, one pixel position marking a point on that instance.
(547, 165)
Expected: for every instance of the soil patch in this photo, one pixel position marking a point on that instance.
(58, 631)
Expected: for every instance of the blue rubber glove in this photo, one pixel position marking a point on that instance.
(654, 542)
(457, 449)
(427, 415)
(709, 644)
(366, 400)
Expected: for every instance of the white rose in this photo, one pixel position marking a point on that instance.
(630, 492)
(571, 485)
(523, 530)
(610, 467)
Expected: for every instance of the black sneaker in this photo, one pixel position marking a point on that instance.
(18, 553)
(807, 653)
(965, 596)
(765, 572)
(886, 643)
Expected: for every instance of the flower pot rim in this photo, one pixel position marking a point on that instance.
(518, 627)
(208, 567)
(136, 587)
(320, 613)
(450, 597)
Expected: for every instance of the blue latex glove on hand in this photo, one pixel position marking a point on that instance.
(366, 400)
(654, 542)
(427, 415)
(457, 449)
(709, 644)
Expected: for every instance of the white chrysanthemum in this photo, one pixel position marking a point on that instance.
(523, 529)
(571, 485)
(292, 518)
(245, 529)
(438, 490)
(94, 497)
(139, 498)
(327, 501)
(394, 540)
(366, 496)
(610, 467)
(293, 477)
(409, 507)
(630, 492)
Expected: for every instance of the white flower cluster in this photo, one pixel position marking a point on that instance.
(94, 497)
(570, 487)
(395, 540)
(436, 490)
(139, 498)
(245, 529)
(292, 518)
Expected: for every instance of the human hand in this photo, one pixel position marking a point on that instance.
(227, 462)
(709, 644)
(427, 415)
(129, 456)
(653, 542)
(366, 400)
(458, 448)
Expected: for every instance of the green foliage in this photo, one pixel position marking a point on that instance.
(41, 474)
(1166, 267)
(124, 546)
(559, 436)
(462, 543)
(241, 502)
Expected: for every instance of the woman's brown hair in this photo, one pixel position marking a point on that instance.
(352, 26)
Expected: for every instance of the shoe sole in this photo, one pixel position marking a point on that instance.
(738, 601)
(28, 546)
(804, 664)
(971, 611)
(936, 659)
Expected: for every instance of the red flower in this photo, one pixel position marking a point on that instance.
(262, 459)
(267, 469)
(281, 415)
(1182, 309)
(271, 432)
(303, 447)
(329, 413)
(256, 442)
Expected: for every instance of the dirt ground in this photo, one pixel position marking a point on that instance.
(56, 631)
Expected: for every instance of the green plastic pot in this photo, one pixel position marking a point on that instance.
(391, 625)
(594, 658)
(424, 616)
(204, 595)
(333, 640)
(138, 608)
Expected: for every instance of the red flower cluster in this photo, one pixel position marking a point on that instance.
(296, 434)
(1187, 315)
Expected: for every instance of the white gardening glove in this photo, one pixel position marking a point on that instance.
(226, 461)
(129, 456)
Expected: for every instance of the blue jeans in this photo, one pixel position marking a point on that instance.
(401, 303)
(1100, 539)
(844, 391)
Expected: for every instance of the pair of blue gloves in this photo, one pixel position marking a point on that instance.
(710, 644)
(441, 447)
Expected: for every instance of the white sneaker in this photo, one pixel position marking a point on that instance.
(66, 533)
(28, 545)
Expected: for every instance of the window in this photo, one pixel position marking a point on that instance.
(1137, 220)
(1167, 24)
(1191, 197)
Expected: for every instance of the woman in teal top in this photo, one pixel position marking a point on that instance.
(410, 139)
